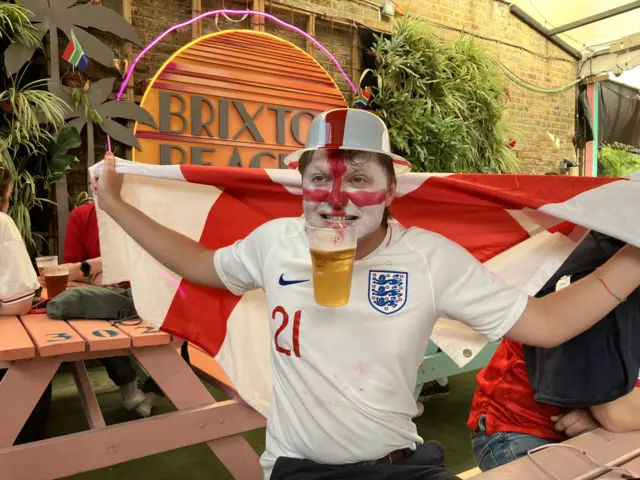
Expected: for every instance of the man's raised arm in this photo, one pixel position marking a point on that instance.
(180, 254)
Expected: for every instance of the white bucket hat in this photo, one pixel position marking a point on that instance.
(349, 129)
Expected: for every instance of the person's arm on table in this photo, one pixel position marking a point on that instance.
(552, 320)
(575, 422)
(180, 254)
(76, 274)
(621, 415)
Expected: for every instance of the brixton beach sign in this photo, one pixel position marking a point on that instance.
(237, 98)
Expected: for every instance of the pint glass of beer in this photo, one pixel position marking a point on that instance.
(333, 249)
(44, 262)
(56, 279)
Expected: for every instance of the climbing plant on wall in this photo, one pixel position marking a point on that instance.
(443, 104)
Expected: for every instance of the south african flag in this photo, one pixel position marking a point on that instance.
(74, 54)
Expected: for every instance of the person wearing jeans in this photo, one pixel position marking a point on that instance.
(491, 451)
(529, 396)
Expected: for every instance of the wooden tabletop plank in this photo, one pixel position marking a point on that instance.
(144, 335)
(100, 335)
(604, 447)
(52, 337)
(15, 343)
(632, 464)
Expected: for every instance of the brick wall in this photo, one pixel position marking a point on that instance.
(537, 120)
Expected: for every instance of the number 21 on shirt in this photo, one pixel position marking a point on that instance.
(281, 314)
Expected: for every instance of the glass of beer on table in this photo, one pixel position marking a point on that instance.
(56, 279)
(333, 250)
(44, 262)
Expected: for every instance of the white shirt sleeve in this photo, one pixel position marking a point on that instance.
(18, 279)
(465, 290)
(240, 265)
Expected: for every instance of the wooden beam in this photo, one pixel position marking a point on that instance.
(595, 78)
(196, 9)
(625, 44)
(128, 47)
(311, 30)
(257, 22)
(106, 446)
(355, 56)
(87, 396)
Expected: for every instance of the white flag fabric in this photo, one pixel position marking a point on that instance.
(522, 227)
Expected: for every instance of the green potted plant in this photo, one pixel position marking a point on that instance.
(33, 140)
(443, 104)
(617, 160)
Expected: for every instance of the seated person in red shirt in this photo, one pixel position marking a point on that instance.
(528, 397)
(82, 249)
(508, 422)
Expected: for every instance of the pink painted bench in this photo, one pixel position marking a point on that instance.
(33, 347)
(208, 369)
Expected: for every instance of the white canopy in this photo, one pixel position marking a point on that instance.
(608, 44)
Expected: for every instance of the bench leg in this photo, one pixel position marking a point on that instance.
(184, 389)
(20, 389)
(87, 396)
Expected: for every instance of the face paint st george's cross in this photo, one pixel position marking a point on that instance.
(337, 191)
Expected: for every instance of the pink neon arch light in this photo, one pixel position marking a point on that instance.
(227, 12)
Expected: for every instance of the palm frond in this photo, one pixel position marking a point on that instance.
(15, 25)
(32, 106)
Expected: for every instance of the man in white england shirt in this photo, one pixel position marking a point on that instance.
(343, 378)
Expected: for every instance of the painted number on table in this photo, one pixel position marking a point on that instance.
(58, 337)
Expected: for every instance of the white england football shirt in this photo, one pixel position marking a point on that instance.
(18, 279)
(343, 378)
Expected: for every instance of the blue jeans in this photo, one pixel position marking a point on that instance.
(491, 451)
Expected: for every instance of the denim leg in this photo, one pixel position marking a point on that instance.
(491, 451)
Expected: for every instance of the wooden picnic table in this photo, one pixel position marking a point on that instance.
(633, 466)
(32, 348)
(613, 449)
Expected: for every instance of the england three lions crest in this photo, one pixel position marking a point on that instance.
(388, 290)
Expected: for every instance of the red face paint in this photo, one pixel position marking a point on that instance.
(358, 198)
(337, 168)
(367, 199)
(337, 196)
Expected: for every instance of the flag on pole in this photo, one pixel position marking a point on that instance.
(522, 227)
(74, 54)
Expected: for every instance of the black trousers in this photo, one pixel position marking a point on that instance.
(426, 463)
(121, 371)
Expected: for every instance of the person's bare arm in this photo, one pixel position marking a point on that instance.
(552, 320)
(621, 415)
(76, 275)
(178, 253)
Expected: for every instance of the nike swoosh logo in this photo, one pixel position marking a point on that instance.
(284, 282)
